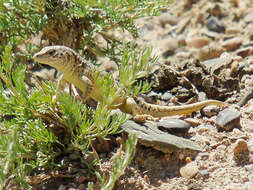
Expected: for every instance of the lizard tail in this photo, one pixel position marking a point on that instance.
(163, 111)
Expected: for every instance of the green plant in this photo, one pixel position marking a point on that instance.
(36, 131)
(121, 161)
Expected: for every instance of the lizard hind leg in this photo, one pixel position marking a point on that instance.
(144, 117)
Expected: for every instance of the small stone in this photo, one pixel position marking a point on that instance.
(168, 47)
(166, 96)
(151, 97)
(173, 125)
(210, 111)
(233, 30)
(204, 173)
(210, 52)
(198, 42)
(167, 18)
(193, 121)
(204, 155)
(228, 119)
(189, 170)
(241, 151)
(213, 24)
(216, 11)
(244, 52)
(235, 3)
(232, 44)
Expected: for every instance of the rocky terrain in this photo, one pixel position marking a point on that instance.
(209, 43)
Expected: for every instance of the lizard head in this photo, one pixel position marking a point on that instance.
(55, 56)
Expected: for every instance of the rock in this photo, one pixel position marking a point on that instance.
(244, 52)
(149, 135)
(213, 24)
(173, 125)
(232, 44)
(168, 47)
(210, 52)
(241, 152)
(198, 42)
(204, 173)
(193, 121)
(189, 170)
(210, 111)
(166, 96)
(228, 119)
(151, 97)
(216, 11)
(233, 30)
(216, 64)
(167, 18)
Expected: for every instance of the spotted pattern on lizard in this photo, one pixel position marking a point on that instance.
(77, 71)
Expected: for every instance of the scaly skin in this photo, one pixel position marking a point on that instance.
(77, 71)
(74, 68)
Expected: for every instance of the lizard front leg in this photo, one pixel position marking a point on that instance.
(60, 87)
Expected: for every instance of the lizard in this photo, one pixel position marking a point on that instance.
(78, 71)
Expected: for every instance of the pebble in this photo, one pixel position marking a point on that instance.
(166, 96)
(241, 151)
(228, 119)
(210, 52)
(210, 111)
(173, 125)
(168, 47)
(213, 24)
(233, 30)
(204, 173)
(167, 18)
(204, 155)
(244, 52)
(232, 44)
(189, 170)
(198, 42)
(193, 121)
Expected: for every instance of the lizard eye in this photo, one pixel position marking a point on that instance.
(51, 53)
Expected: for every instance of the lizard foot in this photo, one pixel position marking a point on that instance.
(143, 118)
